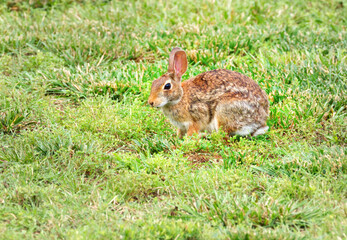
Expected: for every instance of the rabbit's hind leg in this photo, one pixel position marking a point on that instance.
(247, 129)
(260, 131)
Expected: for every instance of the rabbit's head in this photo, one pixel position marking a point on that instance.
(167, 89)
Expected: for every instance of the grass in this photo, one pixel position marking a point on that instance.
(82, 155)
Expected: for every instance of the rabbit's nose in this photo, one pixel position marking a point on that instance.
(150, 103)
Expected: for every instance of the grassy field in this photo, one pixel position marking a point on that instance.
(83, 156)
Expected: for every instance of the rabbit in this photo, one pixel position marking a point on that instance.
(211, 100)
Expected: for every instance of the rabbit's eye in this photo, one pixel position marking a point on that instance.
(167, 86)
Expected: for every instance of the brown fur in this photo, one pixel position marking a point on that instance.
(213, 99)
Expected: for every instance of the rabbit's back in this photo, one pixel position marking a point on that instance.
(222, 83)
(223, 98)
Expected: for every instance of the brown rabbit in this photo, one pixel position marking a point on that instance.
(213, 99)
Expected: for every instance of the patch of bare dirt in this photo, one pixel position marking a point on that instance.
(198, 160)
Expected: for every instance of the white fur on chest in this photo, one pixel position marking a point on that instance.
(173, 119)
(212, 126)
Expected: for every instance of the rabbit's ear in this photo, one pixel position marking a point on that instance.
(180, 63)
(171, 59)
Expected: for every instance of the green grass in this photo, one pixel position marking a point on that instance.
(82, 155)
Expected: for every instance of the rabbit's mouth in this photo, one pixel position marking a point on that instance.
(157, 104)
(162, 104)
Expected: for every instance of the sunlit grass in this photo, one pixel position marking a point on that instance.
(82, 155)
